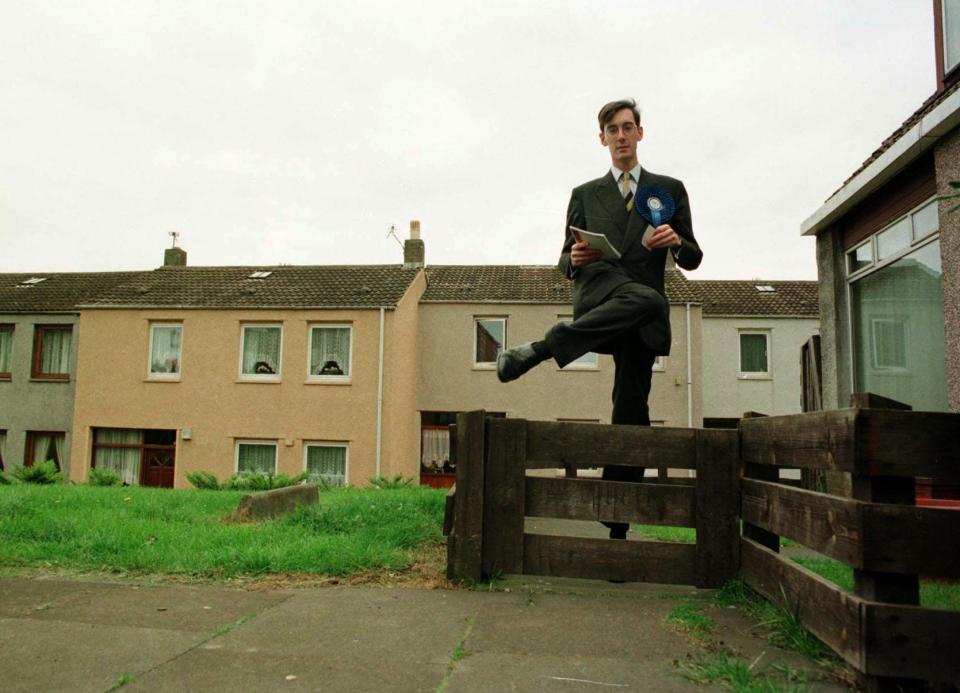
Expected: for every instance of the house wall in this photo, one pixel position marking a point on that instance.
(35, 405)
(725, 393)
(209, 399)
(947, 156)
(448, 380)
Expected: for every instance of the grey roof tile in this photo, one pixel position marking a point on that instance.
(740, 297)
(59, 292)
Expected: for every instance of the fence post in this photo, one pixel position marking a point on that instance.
(761, 472)
(718, 507)
(503, 496)
(464, 553)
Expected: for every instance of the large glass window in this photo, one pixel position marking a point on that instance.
(260, 352)
(165, 350)
(330, 352)
(119, 450)
(44, 446)
(51, 352)
(257, 456)
(489, 338)
(951, 34)
(6, 351)
(326, 462)
(754, 354)
(898, 331)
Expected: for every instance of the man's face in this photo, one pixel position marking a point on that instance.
(621, 135)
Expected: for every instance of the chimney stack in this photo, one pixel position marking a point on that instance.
(413, 249)
(174, 257)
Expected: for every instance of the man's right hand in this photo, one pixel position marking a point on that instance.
(582, 254)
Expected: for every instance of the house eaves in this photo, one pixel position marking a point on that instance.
(918, 139)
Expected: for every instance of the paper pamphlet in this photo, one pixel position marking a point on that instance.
(596, 240)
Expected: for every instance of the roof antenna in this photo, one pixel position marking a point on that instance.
(393, 232)
(174, 235)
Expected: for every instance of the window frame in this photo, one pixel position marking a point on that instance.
(486, 365)
(901, 322)
(754, 375)
(329, 444)
(345, 379)
(38, 330)
(3, 445)
(30, 442)
(10, 328)
(164, 376)
(260, 377)
(255, 441)
(659, 364)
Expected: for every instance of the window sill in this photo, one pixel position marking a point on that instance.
(578, 369)
(155, 379)
(258, 381)
(484, 366)
(754, 376)
(35, 379)
(328, 381)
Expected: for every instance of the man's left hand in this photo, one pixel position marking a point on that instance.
(664, 237)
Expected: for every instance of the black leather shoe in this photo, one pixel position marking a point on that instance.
(512, 363)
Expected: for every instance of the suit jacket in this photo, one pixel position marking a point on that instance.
(598, 206)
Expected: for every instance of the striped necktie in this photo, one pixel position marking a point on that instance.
(625, 190)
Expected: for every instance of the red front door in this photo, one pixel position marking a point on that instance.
(157, 468)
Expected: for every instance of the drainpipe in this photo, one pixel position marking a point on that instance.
(380, 395)
(689, 373)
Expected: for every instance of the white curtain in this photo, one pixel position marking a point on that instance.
(47, 447)
(124, 461)
(55, 351)
(328, 462)
(436, 448)
(165, 350)
(261, 350)
(257, 458)
(6, 348)
(330, 346)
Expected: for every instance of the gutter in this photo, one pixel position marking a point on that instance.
(380, 395)
(689, 372)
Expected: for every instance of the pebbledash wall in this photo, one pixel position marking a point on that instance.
(219, 408)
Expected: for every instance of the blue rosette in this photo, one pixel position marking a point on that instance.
(654, 204)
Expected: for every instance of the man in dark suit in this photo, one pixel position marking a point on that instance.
(619, 306)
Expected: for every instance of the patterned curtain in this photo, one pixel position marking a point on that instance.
(261, 350)
(330, 351)
(252, 457)
(436, 448)
(124, 461)
(327, 462)
(165, 350)
(55, 351)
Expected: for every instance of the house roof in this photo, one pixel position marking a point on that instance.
(59, 292)
(520, 284)
(284, 286)
(772, 298)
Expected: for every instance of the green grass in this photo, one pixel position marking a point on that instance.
(683, 535)
(690, 618)
(723, 667)
(147, 530)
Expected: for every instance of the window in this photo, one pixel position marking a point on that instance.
(260, 352)
(257, 456)
(951, 34)
(860, 257)
(51, 352)
(44, 446)
(6, 350)
(329, 353)
(119, 450)
(165, 351)
(326, 462)
(3, 446)
(659, 363)
(889, 343)
(489, 339)
(754, 353)
(588, 362)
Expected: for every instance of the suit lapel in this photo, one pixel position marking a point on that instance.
(612, 201)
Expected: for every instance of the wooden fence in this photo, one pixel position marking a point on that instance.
(880, 533)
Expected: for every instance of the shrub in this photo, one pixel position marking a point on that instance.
(398, 481)
(204, 480)
(258, 481)
(103, 477)
(39, 473)
(5, 479)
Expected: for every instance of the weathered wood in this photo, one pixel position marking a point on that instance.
(911, 642)
(503, 507)
(910, 539)
(448, 510)
(610, 501)
(717, 507)
(824, 523)
(908, 444)
(468, 510)
(602, 559)
(553, 445)
(760, 535)
(821, 607)
(816, 440)
(868, 400)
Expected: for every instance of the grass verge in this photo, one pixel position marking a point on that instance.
(180, 532)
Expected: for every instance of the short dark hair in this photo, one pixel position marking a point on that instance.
(607, 112)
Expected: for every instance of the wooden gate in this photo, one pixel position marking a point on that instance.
(494, 495)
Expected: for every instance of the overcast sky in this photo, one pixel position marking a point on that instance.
(298, 132)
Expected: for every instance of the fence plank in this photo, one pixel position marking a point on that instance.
(718, 504)
(909, 641)
(449, 504)
(815, 440)
(468, 510)
(824, 523)
(611, 501)
(503, 508)
(602, 559)
(556, 445)
(820, 606)
(909, 539)
(908, 444)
